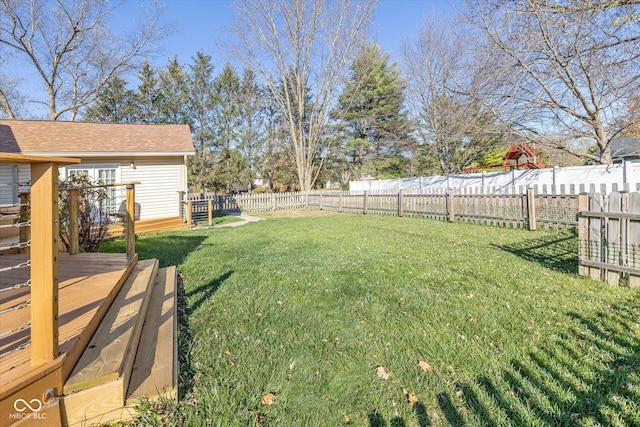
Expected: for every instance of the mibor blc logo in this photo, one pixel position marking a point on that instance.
(27, 409)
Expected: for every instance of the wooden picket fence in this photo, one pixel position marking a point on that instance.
(609, 234)
(514, 209)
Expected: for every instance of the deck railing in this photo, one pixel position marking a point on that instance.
(43, 247)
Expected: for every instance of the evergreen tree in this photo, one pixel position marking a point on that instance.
(251, 134)
(147, 96)
(115, 104)
(173, 95)
(228, 114)
(201, 108)
(371, 109)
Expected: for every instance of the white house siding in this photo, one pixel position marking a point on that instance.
(10, 175)
(161, 181)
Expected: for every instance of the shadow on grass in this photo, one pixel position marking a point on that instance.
(185, 339)
(205, 291)
(588, 374)
(557, 251)
(377, 420)
(168, 249)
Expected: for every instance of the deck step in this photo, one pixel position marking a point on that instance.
(155, 369)
(99, 382)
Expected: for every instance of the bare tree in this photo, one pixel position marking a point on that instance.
(454, 124)
(571, 69)
(70, 48)
(302, 49)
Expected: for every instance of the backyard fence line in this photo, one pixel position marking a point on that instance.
(515, 207)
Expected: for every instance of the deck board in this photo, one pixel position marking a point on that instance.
(85, 282)
(154, 371)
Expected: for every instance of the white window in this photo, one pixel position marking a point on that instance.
(102, 174)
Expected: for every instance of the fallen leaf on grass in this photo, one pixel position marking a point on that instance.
(346, 419)
(424, 366)
(413, 399)
(260, 419)
(382, 373)
(268, 399)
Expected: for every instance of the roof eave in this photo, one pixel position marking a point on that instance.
(114, 154)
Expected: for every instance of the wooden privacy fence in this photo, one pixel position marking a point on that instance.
(609, 234)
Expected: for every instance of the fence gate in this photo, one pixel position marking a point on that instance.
(609, 233)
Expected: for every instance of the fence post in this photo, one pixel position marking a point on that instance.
(340, 203)
(595, 236)
(131, 219)
(583, 233)
(74, 232)
(400, 210)
(450, 213)
(613, 245)
(44, 262)
(531, 208)
(189, 212)
(633, 234)
(210, 211)
(365, 203)
(25, 232)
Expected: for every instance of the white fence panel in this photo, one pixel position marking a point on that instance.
(625, 176)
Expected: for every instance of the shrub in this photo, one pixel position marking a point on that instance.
(93, 221)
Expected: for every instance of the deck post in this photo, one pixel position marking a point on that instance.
(531, 208)
(74, 232)
(24, 217)
(131, 219)
(44, 262)
(189, 212)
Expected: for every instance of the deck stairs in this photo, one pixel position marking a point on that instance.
(132, 354)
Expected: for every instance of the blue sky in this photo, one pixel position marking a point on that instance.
(199, 25)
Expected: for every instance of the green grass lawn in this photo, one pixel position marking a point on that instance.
(474, 325)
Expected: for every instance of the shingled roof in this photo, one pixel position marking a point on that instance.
(78, 139)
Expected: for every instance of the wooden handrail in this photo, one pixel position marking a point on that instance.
(119, 184)
(28, 158)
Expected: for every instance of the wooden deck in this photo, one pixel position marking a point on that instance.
(104, 301)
